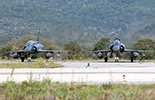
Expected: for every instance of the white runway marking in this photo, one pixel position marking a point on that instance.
(98, 73)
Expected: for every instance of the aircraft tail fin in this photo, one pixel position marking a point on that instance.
(38, 31)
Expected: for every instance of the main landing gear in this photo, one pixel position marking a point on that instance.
(22, 59)
(131, 59)
(131, 56)
(117, 57)
(29, 58)
(106, 59)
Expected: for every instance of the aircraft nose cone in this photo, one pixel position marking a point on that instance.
(116, 48)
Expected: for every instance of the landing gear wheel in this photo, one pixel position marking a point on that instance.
(131, 59)
(116, 60)
(106, 59)
(29, 59)
(22, 59)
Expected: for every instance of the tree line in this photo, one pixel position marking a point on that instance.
(76, 51)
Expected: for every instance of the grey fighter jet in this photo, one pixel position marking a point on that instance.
(117, 47)
(31, 49)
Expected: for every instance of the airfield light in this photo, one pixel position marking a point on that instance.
(88, 65)
(124, 78)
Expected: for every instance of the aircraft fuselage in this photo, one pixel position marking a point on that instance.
(117, 47)
(33, 46)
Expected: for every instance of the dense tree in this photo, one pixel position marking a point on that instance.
(102, 44)
(48, 44)
(19, 43)
(72, 47)
(146, 44)
(75, 51)
(7, 47)
(143, 44)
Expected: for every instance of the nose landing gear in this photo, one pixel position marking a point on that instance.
(131, 56)
(116, 59)
(105, 57)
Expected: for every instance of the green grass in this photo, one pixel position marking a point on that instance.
(48, 90)
(38, 64)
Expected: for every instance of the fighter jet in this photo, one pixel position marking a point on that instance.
(117, 47)
(31, 49)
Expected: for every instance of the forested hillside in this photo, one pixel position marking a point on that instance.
(84, 21)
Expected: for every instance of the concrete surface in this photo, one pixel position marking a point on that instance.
(97, 73)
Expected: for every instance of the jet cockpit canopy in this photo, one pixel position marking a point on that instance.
(30, 43)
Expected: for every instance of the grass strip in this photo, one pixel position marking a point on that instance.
(39, 64)
(48, 90)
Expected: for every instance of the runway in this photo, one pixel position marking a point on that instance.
(97, 73)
